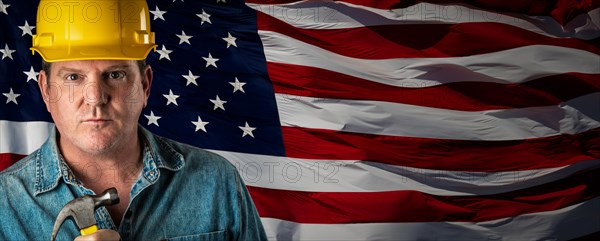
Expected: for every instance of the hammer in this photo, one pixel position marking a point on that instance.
(82, 209)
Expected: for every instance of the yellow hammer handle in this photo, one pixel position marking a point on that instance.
(89, 230)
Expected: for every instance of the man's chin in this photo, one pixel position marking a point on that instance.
(99, 125)
(98, 148)
(99, 142)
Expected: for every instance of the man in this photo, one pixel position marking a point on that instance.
(95, 83)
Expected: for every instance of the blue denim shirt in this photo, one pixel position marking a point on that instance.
(182, 193)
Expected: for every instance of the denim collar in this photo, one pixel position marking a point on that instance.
(51, 166)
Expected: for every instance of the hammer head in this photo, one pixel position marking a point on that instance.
(82, 209)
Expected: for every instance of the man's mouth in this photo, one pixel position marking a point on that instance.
(97, 121)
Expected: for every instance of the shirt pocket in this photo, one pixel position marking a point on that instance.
(212, 236)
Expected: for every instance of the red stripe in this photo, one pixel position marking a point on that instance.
(455, 155)
(532, 7)
(562, 10)
(467, 96)
(439, 40)
(7, 159)
(413, 206)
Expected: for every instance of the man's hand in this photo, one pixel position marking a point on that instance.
(102, 234)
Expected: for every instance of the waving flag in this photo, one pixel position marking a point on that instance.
(369, 120)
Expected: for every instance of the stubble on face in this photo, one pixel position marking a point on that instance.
(98, 106)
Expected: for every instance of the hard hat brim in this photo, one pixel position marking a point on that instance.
(94, 53)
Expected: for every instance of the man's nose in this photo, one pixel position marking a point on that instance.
(96, 92)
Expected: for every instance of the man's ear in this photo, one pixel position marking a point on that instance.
(44, 87)
(147, 83)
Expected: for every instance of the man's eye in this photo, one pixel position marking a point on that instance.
(116, 75)
(72, 77)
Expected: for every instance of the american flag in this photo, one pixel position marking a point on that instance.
(369, 120)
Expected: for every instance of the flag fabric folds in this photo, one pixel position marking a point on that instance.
(369, 120)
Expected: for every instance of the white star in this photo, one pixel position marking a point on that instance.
(247, 130)
(191, 78)
(204, 17)
(218, 103)
(12, 97)
(218, 1)
(31, 74)
(237, 85)
(158, 14)
(26, 29)
(164, 53)
(171, 98)
(200, 124)
(3, 7)
(152, 119)
(210, 60)
(184, 38)
(230, 40)
(6, 52)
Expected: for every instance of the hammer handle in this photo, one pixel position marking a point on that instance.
(89, 230)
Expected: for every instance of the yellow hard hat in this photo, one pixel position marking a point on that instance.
(93, 29)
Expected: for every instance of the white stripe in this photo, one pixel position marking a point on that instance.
(393, 119)
(348, 175)
(296, 174)
(344, 175)
(563, 224)
(23, 137)
(340, 15)
(585, 26)
(516, 65)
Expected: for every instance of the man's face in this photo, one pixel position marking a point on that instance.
(95, 104)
